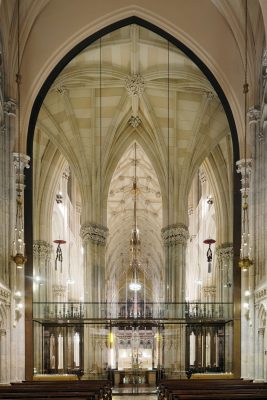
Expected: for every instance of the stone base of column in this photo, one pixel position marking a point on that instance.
(258, 381)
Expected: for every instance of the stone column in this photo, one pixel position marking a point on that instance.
(41, 277)
(174, 239)
(20, 161)
(41, 271)
(260, 369)
(244, 167)
(94, 243)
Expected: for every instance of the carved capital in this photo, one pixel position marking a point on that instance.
(175, 234)
(135, 85)
(244, 168)
(10, 107)
(21, 161)
(254, 115)
(95, 233)
(4, 295)
(134, 121)
(42, 249)
(225, 252)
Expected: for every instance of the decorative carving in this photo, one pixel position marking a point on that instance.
(210, 95)
(254, 115)
(261, 294)
(244, 168)
(4, 294)
(190, 210)
(10, 107)
(42, 249)
(134, 121)
(21, 161)
(261, 331)
(260, 135)
(95, 233)
(202, 175)
(59, 290)
(2, 332)
(135, 85)
(225, 252)
(60, 89)
(175, 234)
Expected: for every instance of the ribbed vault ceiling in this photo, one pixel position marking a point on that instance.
(132, 86)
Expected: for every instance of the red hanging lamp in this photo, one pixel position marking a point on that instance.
(59, 256)
(209, 252)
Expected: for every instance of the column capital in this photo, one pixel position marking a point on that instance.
(95, 233)
(21, 161)
(254, 114)
(225, 251)
(42, 249)
(10, 107)
(175, 234)
(244, 167)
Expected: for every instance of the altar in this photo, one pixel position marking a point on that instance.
(135, 377)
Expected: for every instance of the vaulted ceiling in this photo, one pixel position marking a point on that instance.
(133, 86)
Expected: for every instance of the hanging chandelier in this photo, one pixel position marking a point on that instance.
(245, 258)
(18, 248)
(135, 242)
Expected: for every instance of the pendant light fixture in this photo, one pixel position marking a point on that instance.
(18, 248)
(245, 258)
(135, 243)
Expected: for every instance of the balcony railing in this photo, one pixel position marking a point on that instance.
(70, 311)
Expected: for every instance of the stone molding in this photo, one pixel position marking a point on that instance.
(134, 122)
(225, 252)
(253, 114)
(94, 233)
(10, 107)
(175, 234)
(42, 249)
(135, 85)
(261, 294)
(4, 295)
(244, 168)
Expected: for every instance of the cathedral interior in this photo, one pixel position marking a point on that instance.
(133, 190)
